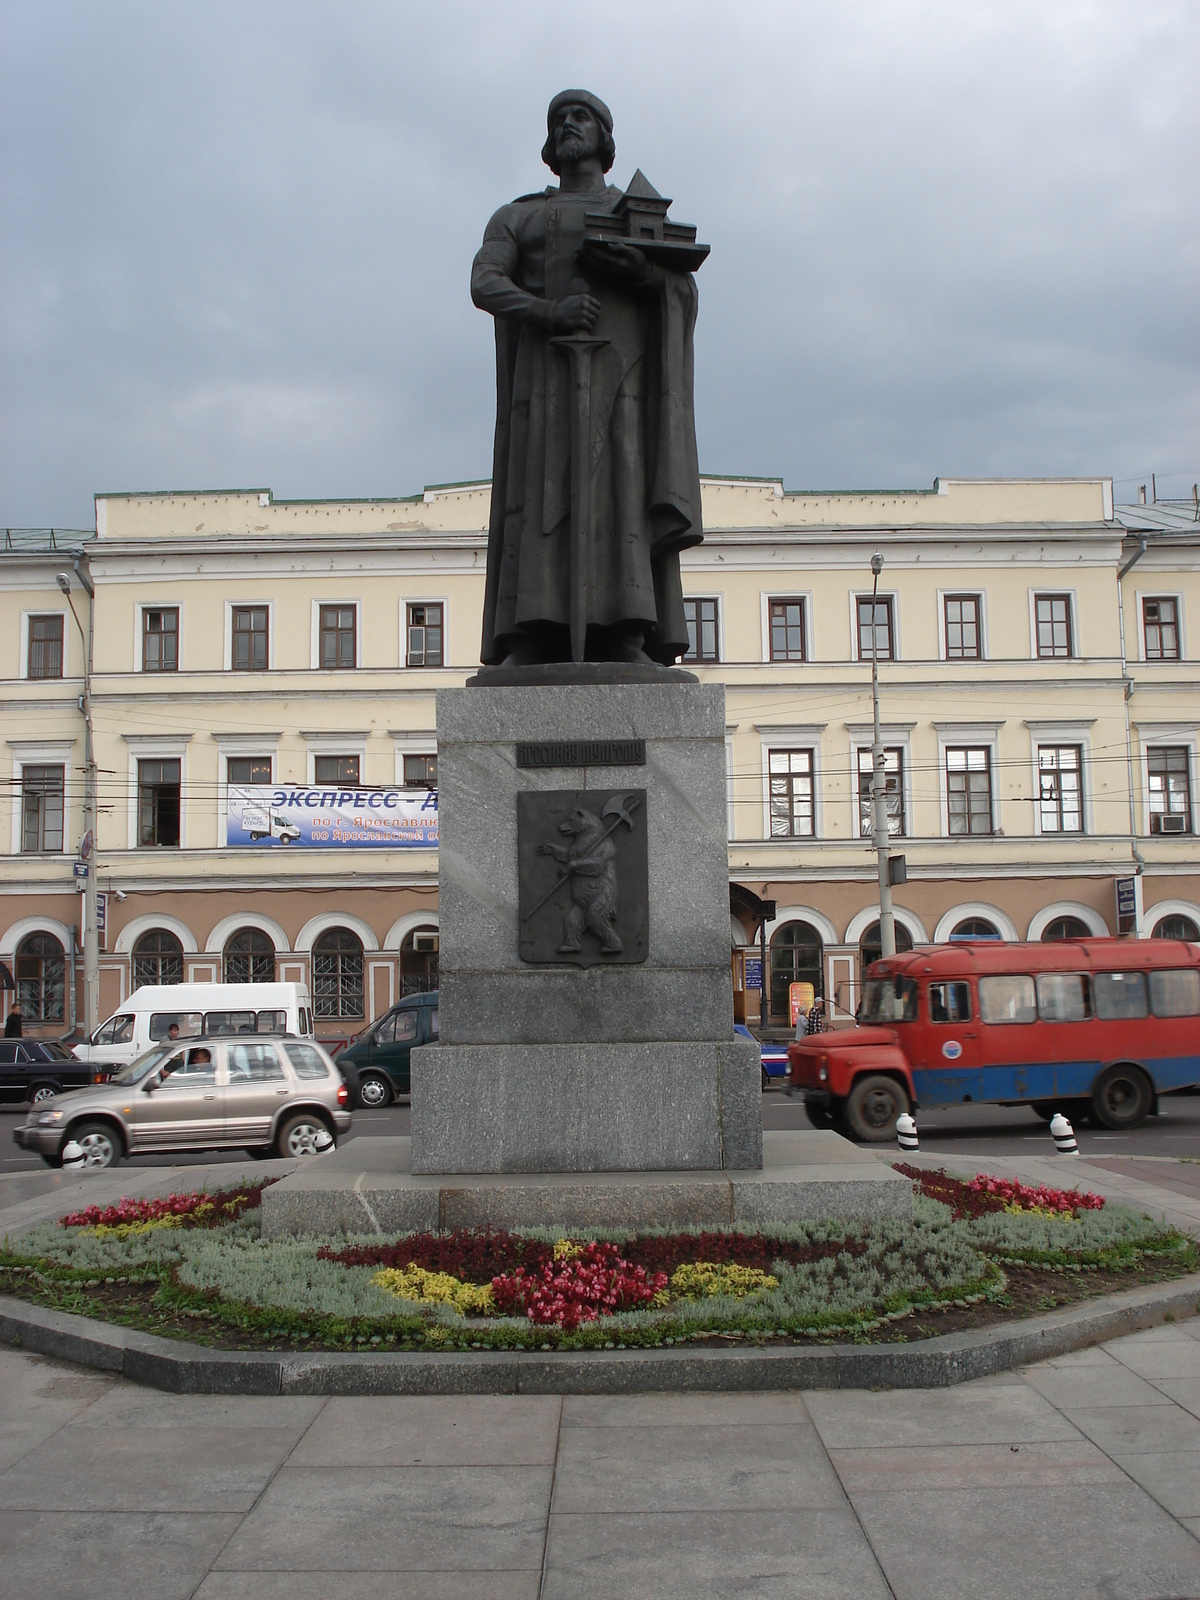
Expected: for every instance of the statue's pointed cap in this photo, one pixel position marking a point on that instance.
(579, 97)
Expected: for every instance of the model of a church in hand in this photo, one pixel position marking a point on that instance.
(640, 217)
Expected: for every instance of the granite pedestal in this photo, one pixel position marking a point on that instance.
(609, 1067)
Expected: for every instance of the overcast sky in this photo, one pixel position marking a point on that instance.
(956, 239)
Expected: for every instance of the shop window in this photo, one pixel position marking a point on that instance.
(797, 956)
(1177, 926)
(249, 957)
(40, 969)
(157, 958)
(337, 966)
(975, 928)
(870, 946)
(419, 962)
(1065, 928)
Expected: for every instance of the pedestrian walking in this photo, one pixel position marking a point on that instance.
(816, 1019)
(12, 1028)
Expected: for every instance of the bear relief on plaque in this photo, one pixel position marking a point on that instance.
(584, 884)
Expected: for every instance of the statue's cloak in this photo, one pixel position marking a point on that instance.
(645, 478)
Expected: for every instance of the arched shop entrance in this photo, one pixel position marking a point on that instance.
(797, 956)
(870, 946)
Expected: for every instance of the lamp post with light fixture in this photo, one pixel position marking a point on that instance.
(91, 935)
(879, 811)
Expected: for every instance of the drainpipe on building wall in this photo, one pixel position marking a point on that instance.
(91, 939)
(1127, 684)
(879, 812)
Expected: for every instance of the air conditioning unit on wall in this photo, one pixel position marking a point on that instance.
(425, 944)
(1172, 823)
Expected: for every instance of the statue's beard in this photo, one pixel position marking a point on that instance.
(572, 147)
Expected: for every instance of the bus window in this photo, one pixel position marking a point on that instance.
(272, 1022)
(1118, 995)
(1063, 997)
(187, 1024)
(888, 1000)
(1175, 993)
(949, 1002)
(222, 1023)
(1007, 998)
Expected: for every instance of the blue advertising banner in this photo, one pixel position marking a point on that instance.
(332, 819)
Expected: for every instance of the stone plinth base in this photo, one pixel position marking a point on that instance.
(586, 1107)
(368, 1187)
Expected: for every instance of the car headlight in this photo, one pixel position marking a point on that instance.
(49, 1118)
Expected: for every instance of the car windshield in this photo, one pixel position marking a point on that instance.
(137, 1070)
(887, 1000)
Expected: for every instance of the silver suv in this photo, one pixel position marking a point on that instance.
(269, 1095)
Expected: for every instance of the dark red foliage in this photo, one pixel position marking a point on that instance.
(976, 1197)
(468, 1254)
(598, 1282)
(668, 1251)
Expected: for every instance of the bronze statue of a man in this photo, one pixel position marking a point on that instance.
(594, 341)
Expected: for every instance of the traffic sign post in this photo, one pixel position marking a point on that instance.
(1129, 905)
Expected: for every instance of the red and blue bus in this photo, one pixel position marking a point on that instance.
(1093, 1027)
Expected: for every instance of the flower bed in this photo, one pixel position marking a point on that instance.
(195, 1263)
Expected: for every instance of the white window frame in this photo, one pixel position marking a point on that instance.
(951, 594)
(336, 744)
(1060, 733)
(235, 745)
(1156, 737)
(892, 595)
(894, 736)
(407, 600)
(719, 597)
(157, 747)
(974, 735)
(140, 607)
(68, 627)
(1165, 593)
(1052, 590)
(802, 736)
(258, 601)
(805, 597)
(315, 650)
(43, 753)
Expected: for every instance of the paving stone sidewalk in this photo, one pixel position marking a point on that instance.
(1077, 1477)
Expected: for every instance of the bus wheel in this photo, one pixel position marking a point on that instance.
(1044, 1109)
(872, 1107)
(1122, 1096)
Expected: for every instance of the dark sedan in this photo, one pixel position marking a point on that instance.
(38, 1069)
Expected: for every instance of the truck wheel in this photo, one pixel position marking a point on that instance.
(872, 1107)
(374, 1091)
(819, 1116)
(1122, 1096)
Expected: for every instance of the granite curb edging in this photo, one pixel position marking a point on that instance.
(182, 1368)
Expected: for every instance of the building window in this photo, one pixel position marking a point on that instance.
(894, 768)
(1177, 926)
(1065, 928)
(797, 956)
(964, 641)
(1059, 788)
(870, 946)
(249, 957)
(248, 769)
(157, 958)
(1160, 620)
(969, 790)
(975, 928)
(42, 793)
(158, 802)
(875, 632)
(787, 631)
(338, 974)
(420, 772)
(1170, 789)
(419, 962)
(46, 647)
(424, 636)
(250, 638)
(160, 640)
(704, 643)
(1053, 615)
(336, 769)
(337, 637)
(790, 782)
(40, 968)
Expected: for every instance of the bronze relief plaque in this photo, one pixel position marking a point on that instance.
(584, 880)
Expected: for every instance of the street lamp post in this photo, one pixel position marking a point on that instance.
(879, 813)
(91, 935)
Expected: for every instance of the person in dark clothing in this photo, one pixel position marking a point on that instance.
(12, 1028)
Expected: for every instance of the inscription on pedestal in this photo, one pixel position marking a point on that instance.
(582, 753)
(584, 883)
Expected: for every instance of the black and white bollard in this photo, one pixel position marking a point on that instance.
(72, 1156)
(906, 1132)
(1063, 1135)
(324, 1142)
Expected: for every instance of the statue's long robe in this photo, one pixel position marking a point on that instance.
(645, 478)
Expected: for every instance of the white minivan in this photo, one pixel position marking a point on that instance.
(191, 1009)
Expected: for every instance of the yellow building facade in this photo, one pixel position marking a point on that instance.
(1040, 706)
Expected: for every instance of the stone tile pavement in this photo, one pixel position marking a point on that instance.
(1077, 1477)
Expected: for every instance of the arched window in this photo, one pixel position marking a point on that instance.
(419, 962)
(1176, 927)
(797, 956)
(249, 957)
(157, 958)
(870, 946)
(1065, 928)
(337, 965)
(41, 974)
(975, 928)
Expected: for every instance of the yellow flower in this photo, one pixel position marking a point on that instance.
(566, 1249)
(435, 1288)
(699, 1280)
(122, 1230)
